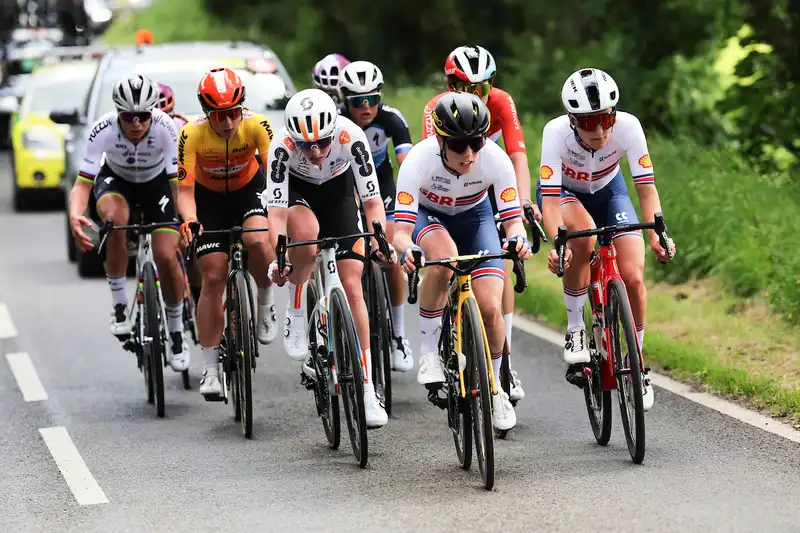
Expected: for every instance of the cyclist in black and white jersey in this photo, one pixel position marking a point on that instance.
(360, 85)
(314, 164)
(131, 158)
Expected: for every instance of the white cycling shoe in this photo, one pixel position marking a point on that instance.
(295, 334)
(517, 392)
(648, 395)
(179, 354)
(374, 412)
(402, 358)
(503, 415)
(267, 323)
(430, 369)
(210, 385)
(119, 323)
(575, 348)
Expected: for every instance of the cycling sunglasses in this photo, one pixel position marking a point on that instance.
(131, 116)
(590, 122)
(481, 89)
(319, 143)
(220, 115)
(361, 100)
(459, 146)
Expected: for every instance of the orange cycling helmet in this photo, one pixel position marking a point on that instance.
(220, 89)
(144, 36)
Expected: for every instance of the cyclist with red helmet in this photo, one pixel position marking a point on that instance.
(219, 185)
(166, 103)
(472, 69)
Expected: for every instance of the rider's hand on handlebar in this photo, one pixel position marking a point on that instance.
(407, 261)
(277, 278)
(392, 253)
(552, 260)
(186, 231)
(537, 215)
(659, 250)
(82, 241)
(520, 245)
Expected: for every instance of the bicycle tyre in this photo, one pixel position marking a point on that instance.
(600, 418)
(381, 352)
(152, 329)
(348, 362)
(621, 312)
(459, 410)
(475, 352)
(243, 341)
(505, 383)
(330, 420)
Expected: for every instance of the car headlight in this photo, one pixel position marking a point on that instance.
(40, 139)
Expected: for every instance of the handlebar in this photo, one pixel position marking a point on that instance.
(109, 226)
(472, 262)
(564, 235)
(329, 242)
(194, 227)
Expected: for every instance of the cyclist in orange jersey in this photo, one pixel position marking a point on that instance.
(219, 185)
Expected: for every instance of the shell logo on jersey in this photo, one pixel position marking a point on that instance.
(404, 198)
(289, 143)
(545, 172)
(344, 137)
(645, 162)
(509, 195)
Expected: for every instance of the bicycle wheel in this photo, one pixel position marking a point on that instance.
(347, 355)
(152, 330)
(242, 335)
(328, 406)
(505, 382)
(381, 338)
(598, 401)
(478, 379)
(627, 367)
(458, 409)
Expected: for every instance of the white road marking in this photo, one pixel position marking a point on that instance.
(712, 402)
(69, 461)
(26, 376)
(7, 329)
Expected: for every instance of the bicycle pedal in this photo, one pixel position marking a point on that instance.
(647, 369)
(307, 382)
(576, 376)
(214, 398)
(435, 399)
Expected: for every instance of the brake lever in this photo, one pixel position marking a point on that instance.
(661, 231)
(380, 237)
(413, 279)
(561, 247)
(528, 209)
(104, 232)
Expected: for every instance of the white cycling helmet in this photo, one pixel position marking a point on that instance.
(310, 115)
(360, 77)
(135, 93)
(589, 90)
(325, 73)
(470, 64)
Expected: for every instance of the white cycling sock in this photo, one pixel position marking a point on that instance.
(398, 321)
(429, 324)
(640, 335)
(575, 300)
(266, 296)
(211, 359)
(175, 317)
(366, 365)
(295, 303)
(497, 360)
(117, 286)
(507, 318)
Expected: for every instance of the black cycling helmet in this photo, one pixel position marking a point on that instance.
(460, 115)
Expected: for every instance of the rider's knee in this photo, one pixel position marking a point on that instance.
(214, 278)
(491, 306)
(351, 280)
(581, 247)
(634, 279)
(165, 255)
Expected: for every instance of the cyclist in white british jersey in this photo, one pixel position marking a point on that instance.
(582, 186)
(442, 208)
(314, 165)
(132, 159)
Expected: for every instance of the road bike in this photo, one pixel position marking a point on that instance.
(148, 337)
(466, 360)
(622, 368)
(334, 367)
(238, 349)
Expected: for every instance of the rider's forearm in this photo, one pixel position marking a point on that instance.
(649, 203)
(523, 173)
(402, 237)
(79, 198)
(186, 204)
(373, 208)
(514, 227)
(277, 218)
(551, 212)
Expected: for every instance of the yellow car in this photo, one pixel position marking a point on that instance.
(37, 142)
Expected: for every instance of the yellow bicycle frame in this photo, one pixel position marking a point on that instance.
(465, 293)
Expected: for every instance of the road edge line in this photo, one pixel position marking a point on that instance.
(79, 479)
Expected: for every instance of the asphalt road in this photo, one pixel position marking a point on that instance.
(193, 470)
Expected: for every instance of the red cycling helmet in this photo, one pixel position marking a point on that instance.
(219, 89)
(166, 99)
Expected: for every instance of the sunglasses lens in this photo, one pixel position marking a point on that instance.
(362, 100)
(590, 122)
(320, 143)
(232, 114)
(480, 89)
(130, 116)
(459, 146)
